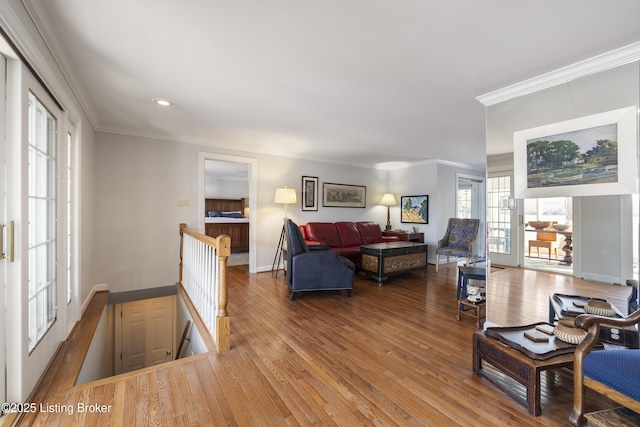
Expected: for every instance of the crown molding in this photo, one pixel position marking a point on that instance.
(56, 51)
(596, 64)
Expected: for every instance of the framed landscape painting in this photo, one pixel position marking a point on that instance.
(344, 196)
(309, 193)
(414, 209)
(587, 156)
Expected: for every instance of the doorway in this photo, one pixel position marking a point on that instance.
(470, 202)
(241, 162)
(549, 249)
(226, 188)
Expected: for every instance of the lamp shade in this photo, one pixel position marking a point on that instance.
(285, 196)
(388, 200)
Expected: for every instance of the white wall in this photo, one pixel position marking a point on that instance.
(86, 181)
(140, 180)
(98, 363)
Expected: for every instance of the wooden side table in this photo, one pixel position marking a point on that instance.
(516, 365)
(405, 235)
(473, 309)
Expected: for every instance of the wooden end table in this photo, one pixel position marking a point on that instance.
(407, 236)
(516, 365)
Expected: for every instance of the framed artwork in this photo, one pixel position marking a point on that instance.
(309, 193)
(414, 209)
(588, 156)
(343, 195)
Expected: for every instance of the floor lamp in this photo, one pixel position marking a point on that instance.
(286, 196)
(388, 200)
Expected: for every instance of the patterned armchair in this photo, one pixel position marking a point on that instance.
(459, 240)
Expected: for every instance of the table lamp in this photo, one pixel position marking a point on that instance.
(388, 200)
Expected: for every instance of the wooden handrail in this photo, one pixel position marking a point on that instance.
(222, 247)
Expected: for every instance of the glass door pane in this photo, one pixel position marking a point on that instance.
(42, 221)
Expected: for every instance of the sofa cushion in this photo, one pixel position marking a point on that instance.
(324, 232)
(303, 229)
(370, 232)
(349, 235)
(617, 369)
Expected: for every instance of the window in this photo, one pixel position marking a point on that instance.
(42, 221)
(499, 218)
(558, 209)
(464, 201)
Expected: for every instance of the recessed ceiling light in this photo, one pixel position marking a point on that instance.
(162, 101)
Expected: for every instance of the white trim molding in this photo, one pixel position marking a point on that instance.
(596, 64)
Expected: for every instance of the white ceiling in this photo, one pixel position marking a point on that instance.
(347, 81)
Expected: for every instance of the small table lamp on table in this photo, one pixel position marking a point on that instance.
(388, 200)
(286, 196)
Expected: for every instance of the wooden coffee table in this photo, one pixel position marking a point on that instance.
(382, 260)
(516, 365)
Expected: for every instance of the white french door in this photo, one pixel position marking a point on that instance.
(5, 253)
(503, 220)
(34, 156)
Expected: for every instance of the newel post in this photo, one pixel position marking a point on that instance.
(223, 328)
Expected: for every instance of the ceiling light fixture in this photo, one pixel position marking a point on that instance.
(162, 101)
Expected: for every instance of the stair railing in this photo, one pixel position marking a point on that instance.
(203, 276)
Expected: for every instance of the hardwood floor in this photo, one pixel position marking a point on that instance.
(386, 356)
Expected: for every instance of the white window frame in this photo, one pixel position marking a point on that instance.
(43, 213)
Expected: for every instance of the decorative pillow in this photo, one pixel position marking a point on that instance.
(214, 214)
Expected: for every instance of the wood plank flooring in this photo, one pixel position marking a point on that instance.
(386, 356)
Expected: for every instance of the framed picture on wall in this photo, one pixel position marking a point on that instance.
(309, 193)
(414, 209)
(343, 195)
(588, 156)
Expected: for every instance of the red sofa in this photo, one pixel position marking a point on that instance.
(344, 237)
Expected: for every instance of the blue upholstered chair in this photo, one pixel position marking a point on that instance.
(613, 373)
(459, 240)
(314, 270)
